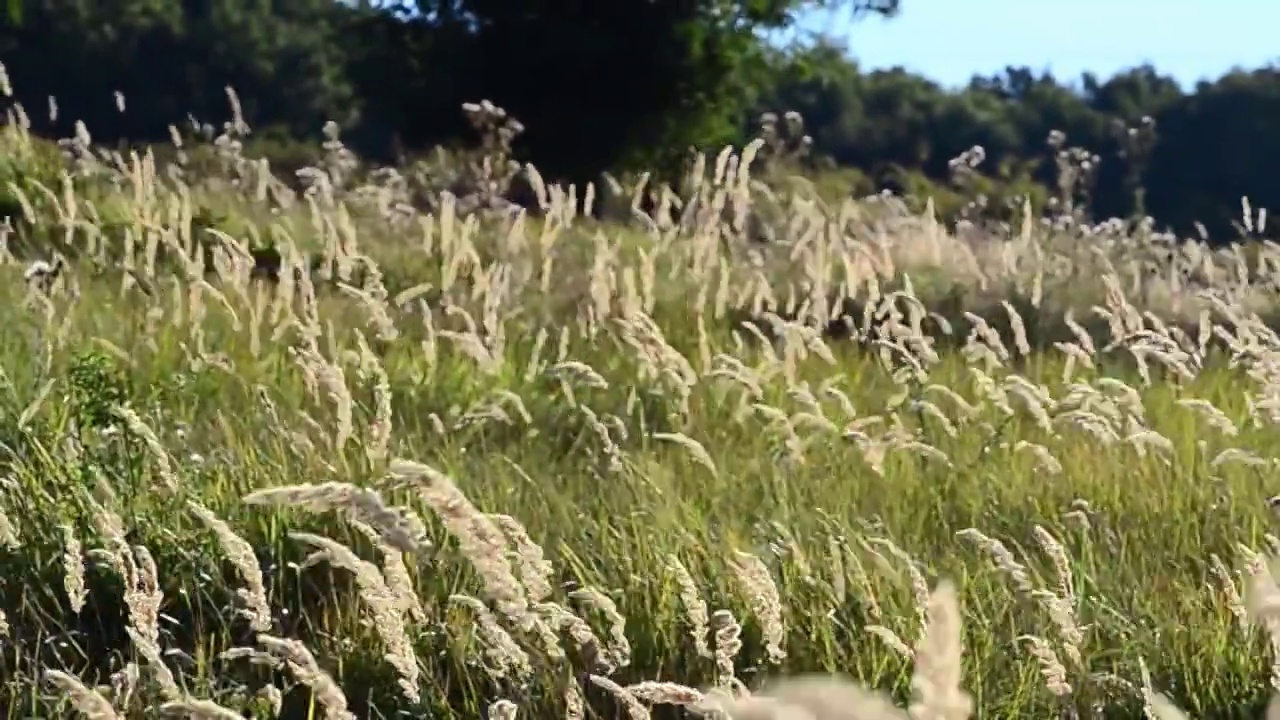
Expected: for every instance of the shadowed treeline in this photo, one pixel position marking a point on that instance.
(627, 85)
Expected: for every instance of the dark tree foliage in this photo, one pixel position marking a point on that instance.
(600, 84)
(631, 84)
(1212, 144)
(169, 58)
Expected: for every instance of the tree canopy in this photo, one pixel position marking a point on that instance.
(636, 84)
(599, 84)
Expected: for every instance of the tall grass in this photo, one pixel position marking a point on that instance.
(345, 445)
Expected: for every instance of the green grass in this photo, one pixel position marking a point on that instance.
(235, 415)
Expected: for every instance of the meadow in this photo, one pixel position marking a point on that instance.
(370, 443)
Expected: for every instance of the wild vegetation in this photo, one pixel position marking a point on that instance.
(384, 442)
(596, 93)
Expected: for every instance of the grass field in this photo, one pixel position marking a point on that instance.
(470, 467)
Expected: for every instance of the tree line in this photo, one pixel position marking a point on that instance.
(1135, 144)
(636, 84)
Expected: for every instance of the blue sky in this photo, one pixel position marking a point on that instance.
(951, 40)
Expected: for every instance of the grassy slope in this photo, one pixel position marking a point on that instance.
(1141, 573)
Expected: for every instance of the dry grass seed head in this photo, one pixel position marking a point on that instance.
(505, 658)
(762, 593)
(302, 665)
(399, 528)
(695, 608)
(194, 709)
(479, 539)
(937, 677)
(535, 571)
(87, 701)
(395, 573)
(811, 697)
(73, 569)
(619, 648)
(240, 553)
(384, 606)
(631, 705)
